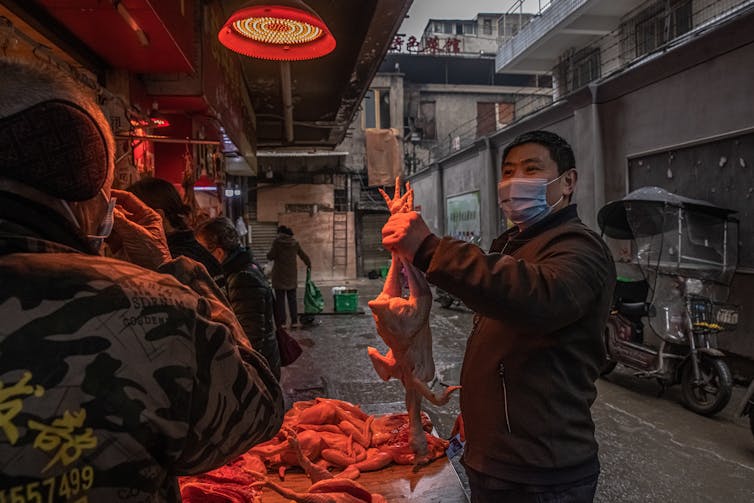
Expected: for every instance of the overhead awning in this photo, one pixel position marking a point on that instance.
(141, 36)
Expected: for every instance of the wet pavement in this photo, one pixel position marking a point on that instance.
(651, 448)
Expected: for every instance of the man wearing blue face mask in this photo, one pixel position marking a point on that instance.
(541, 297)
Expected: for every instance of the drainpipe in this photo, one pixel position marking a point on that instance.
(492, 212)
(598, 162)
(441, 227)
(285, 88)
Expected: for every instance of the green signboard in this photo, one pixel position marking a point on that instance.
(463, 217)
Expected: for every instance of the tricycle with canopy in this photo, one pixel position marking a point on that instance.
(680, 257)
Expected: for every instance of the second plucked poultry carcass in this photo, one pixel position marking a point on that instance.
(403, 323)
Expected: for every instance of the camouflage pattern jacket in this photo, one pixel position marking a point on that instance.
(115, 379)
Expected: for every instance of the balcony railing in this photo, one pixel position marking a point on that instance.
(549, 14)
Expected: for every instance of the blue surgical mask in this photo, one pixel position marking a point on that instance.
(524, 200)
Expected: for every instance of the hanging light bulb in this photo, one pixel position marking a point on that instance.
(286, 30)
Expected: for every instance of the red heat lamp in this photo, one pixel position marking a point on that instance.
(287, 31)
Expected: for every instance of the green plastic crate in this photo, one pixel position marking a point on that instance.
(346, 302)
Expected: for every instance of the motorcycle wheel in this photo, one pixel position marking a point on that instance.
(713, 393)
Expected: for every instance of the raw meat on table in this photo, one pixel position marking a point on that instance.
(331, 440)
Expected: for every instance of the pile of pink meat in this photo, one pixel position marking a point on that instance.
(332, 441)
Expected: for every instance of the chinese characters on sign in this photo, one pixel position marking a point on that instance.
(430, 45)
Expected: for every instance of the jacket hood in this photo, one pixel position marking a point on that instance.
(286, 240)
(237, 260)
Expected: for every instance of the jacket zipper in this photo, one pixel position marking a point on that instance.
(501, 373)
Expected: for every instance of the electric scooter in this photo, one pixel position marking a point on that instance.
(678, 257)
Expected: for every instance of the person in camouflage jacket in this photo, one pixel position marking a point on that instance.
(115, 377)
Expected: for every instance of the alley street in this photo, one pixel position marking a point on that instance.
(651, 448)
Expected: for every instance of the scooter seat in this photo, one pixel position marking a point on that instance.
(633, 310)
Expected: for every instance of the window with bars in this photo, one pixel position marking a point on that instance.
(578, 68)
(487, 26)
(586, 67)
(661, 23)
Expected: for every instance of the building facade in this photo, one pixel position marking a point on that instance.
(660, 97)
(435, 102)
(481, 35)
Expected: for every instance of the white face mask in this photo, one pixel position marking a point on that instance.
(524, 200)
(105, 227)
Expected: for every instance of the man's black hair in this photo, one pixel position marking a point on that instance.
(160, 194)
(560, 151)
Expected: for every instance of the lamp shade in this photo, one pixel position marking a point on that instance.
(286, 31)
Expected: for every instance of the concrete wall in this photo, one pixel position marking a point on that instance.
(314, 231)
(456, 108)
(705, 100)
(486, 44)
(427, 195)
(315, 235)
(271, 200)
(471, 173)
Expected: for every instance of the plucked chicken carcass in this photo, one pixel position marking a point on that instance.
(404, 326)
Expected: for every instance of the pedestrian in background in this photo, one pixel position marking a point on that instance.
(163, 197)
(117, 375)
(283, 253)
(247, 288)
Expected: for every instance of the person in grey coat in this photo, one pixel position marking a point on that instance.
(284, 251)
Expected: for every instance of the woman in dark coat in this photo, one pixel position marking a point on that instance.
(163, 197)
(249, 293)
(284, 251)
